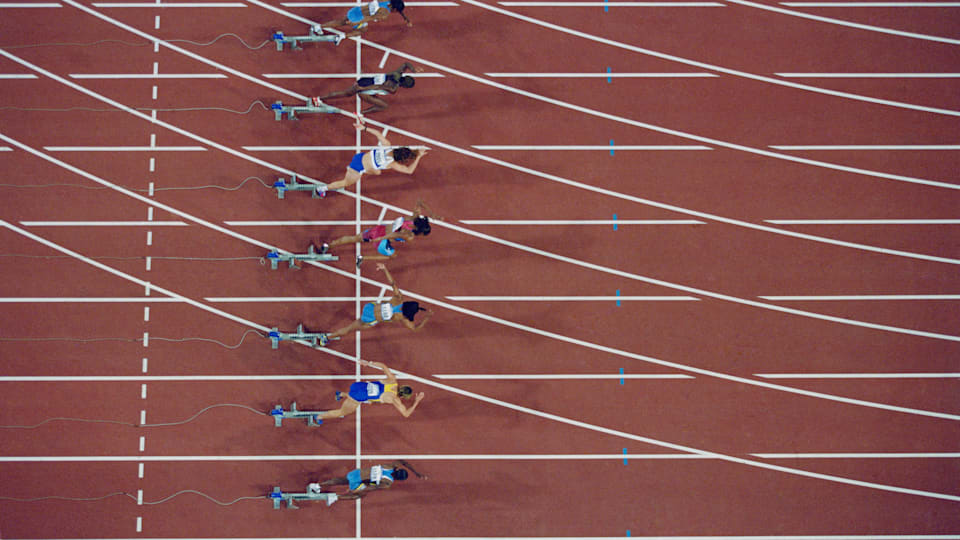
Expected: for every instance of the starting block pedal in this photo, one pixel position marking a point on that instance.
(315, 35)
(318, 339)
(275, 257)
(283, 187)
(279, 414)
(311, 106)
(312, 493)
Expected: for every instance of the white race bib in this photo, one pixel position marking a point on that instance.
(373, 7)
(376, 473)
(386, 311)
(373, 390)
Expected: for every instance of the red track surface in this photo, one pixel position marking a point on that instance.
(481, 455)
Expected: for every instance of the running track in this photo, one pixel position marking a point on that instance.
(725, 372)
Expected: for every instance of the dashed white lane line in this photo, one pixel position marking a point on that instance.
(146, 313)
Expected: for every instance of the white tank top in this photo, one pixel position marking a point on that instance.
(382, 157)
(386, 311)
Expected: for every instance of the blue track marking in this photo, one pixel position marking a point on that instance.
(611, 147)
(609, 70)
(618, 301)
(614, 219)
(624, 456)
(621, 375)
(628, 532)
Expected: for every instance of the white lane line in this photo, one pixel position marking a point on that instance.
(143, 443)
(864, 221)
(560, 376)
(10, 76)
(10, 5)
(143, 416)
(180, 378)
(303, 148)
(242, 299)
(611, 4)
(865, 297)
(351, 76)
(480, 457)
(870, 4)
(570, 260)
(143, 392)
(140, 471)
(602, 75)
(139, 523)
(147, 76)
(124, 148)
(149, 259)
(146, 313)
(146, 339)
(526, 410)
(582, 222)
(720, 69)
(347, 457)
(572, 298)
(865, 455)
(103, 223)
(588, 147)
(145, 365)
(80, 299)
(858, 375)
(872, 147)
(169, 5)
(847, 23)
(296, 223)
(149, 238)
(870, 75)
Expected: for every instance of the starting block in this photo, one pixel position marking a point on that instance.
(279, 109)
(315, 338)
(283, 187)
(312, 493)
(316, 35)
(275, 257)
(279, 414)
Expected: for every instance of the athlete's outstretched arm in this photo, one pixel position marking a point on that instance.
(404, 410)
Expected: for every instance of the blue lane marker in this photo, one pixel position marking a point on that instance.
(624, 456)
(614, 216)
(606, 8)
(621, 375)
(628, 532)
(609, 70)
(611, 147)
(618, 301)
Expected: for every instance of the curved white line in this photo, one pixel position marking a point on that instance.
(841, 22)
(702, 65)
(473, 395)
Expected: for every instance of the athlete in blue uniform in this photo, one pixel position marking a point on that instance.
(361, 482)
(375, 313)
(361, 392)
(359, 17)
(378, 85)
(382, 158)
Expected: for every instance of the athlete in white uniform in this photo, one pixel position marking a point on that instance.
(387, 157)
